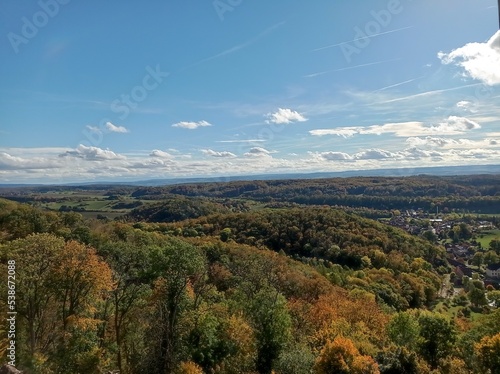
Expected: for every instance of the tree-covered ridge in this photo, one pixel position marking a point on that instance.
(399, 269)
(325, 233)
(415, 186)
(465, 193)
(178, 208)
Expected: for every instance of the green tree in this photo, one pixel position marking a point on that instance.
(225, 234)
(404, 330)
(131, 266)
(494, 296)
(398, 361)
(177, 264)
(495, 245)
(429, 236)
(477, 296)
(295, 359)
(491, 257)
(478, 259)
(36, 257)
(437, 335)
(465, 231)
(272, 325)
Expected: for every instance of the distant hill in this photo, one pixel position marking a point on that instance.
(438, 171)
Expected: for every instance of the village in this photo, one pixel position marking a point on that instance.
(469, 251)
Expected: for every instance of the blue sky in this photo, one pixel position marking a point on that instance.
(125, 90)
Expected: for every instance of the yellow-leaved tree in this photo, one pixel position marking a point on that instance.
(340, 356)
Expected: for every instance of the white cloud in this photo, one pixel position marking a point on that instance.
(10, 162)
(223, 154)
(455, 124)
(451, 126)
(92, 154)
(18, 165)
(112, 128)
(160, 154)
(374, 154)
(94, 129)
(466, 106)
(480, 61)
(345, 132)
(336, 156)
(285, 116)
(439, 142)
(258, 152)
(242, 141)
(417, 154)
(428, 141)
(191, 125)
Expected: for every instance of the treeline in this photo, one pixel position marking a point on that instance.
(480, 194)
(175, 208)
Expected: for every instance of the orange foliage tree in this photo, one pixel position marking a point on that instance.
(342, 357)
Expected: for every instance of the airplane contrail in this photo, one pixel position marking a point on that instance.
(397, 84)
(368, 36)
(350, 67)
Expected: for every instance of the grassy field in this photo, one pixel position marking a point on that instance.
(453, 310)
(487, 236)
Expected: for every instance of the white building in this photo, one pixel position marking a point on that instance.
(493, 271)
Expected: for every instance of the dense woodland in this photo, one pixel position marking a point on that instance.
(204, 283)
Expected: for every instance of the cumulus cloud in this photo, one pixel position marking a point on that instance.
(451, 126)
(409, 156)
(191, 125)
(112, 128)
(429, 141)
(92, 154)
(336, 156)
(160, 154)
(285, 116)
(466, 106)
(108, 127)
(10, 162)
(480, 61)
(258, 152)
(223, 154)
(18, 165)
(417, 154)
(374, 154)
(439, 142)
(369, 154)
